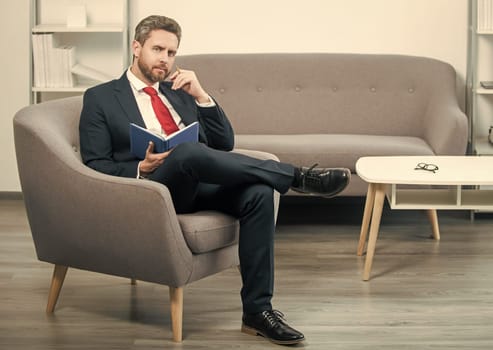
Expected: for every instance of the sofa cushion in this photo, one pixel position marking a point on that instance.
(333, 150)
(222, 230)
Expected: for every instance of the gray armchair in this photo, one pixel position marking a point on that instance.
(87, 220)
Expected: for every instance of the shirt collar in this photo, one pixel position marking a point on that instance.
(138, 84)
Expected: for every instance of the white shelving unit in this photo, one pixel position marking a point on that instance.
(480, 68)
(101, 45)
(480, 100)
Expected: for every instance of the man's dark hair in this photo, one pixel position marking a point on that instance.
(147, 25)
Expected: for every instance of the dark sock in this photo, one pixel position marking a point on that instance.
(296, 177)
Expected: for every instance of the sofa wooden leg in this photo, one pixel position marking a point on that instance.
(59, 273)
(176, 300)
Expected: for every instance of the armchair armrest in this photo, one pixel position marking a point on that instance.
(256, 154)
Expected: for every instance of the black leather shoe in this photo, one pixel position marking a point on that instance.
(271, 325)
(325, 182)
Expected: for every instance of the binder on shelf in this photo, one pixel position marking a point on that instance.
(52, 65)
(90, 73)
(39, 70)
(484, 15)
(76, 16)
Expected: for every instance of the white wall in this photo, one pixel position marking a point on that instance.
(14, 89)
(433, 28)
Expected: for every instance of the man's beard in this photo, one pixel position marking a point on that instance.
(148, 74)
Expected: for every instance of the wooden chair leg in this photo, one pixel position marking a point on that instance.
(59, 273)
(176, 299)
(433, 217)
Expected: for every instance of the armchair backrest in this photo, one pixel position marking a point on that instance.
(47, 148)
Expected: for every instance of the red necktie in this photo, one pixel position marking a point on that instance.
(162, 112)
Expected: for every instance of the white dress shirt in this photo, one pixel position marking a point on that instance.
(145, 106)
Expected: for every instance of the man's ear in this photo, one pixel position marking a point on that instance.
(136, 48)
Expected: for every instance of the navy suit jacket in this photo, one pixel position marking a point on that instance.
(109, 108)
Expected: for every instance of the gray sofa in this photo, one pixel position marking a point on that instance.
(332, 109)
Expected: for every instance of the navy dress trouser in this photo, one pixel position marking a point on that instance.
(202, 178)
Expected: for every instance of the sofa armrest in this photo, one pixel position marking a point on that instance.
(446, 128)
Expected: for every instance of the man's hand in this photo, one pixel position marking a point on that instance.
(188, 82)
(152, 160)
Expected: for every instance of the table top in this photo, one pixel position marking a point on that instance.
(452, 170)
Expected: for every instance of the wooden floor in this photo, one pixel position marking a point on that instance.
(423, 295)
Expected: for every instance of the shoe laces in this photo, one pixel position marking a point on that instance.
(308, 176)
(274, 317)
(311, 168)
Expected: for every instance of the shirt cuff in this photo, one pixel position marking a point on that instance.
(139, 176)
(211, 103)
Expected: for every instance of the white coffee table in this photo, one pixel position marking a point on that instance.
(455, 186)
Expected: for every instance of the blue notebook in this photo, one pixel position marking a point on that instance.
(140, 138)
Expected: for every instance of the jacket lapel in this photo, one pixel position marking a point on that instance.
(182, 108)
(124, 95)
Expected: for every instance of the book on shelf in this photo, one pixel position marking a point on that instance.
(90, 73)
(140, 138)
(76, 16)
(39, 69)
(486, 84)
(52, 64)
(484, 15)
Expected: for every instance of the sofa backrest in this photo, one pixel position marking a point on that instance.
(289, 93)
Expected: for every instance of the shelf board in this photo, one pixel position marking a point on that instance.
(80, 88)
(483, 91)
(62, 28)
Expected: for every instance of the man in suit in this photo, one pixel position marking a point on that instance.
(202, 175)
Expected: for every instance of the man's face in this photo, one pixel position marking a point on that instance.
(154, 60)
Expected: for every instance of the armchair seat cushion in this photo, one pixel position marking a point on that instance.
(333, 150)
(206, 231)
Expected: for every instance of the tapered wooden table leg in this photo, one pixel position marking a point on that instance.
(374, 227)
(370, 198)
(433, 217)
